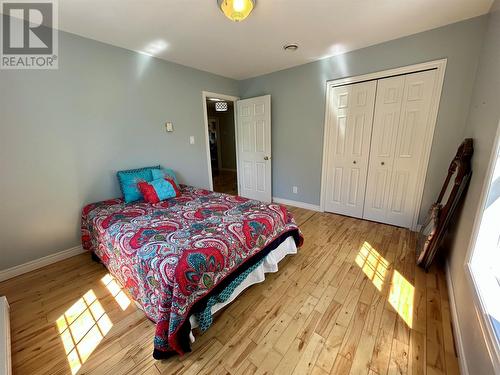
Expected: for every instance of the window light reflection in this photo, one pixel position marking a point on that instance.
(81, 328)
(401, 297)
(115, 290)
(401, 293)
(373, 264)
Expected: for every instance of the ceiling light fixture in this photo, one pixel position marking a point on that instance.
(221, 106)
(236, 10)
(291, 47)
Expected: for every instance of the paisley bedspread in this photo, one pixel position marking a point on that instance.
(172, 256)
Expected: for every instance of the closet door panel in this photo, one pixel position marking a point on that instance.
(350, 115)
(415, 111)
(379, 188)
(384, 136)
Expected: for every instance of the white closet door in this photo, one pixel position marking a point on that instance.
(385, 128)
(394, 166)
(349, 129)
(408, 155)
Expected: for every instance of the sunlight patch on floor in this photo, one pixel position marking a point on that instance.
(376, 267)
(401, 297)
(115, 290)
(373, 264)
(81, 328)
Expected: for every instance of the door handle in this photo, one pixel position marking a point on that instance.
(267, 158)
(382, 163)
(354, 162)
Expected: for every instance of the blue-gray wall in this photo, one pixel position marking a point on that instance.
(298, 103)
(64, 134)
(482, 123)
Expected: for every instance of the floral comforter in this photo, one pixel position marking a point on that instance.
(173, 255)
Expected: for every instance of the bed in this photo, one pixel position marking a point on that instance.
(184, 258)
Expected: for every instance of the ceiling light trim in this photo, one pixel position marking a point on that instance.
(291, 47)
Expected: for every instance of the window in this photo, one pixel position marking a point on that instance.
(484, 258)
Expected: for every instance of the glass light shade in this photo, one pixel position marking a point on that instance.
(221, 106)
(237, 10)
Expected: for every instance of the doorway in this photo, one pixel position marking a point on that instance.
(221, 147)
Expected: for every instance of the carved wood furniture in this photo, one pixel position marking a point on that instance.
(441, 212)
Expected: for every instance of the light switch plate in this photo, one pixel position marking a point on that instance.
(169, 127)
(191, 140)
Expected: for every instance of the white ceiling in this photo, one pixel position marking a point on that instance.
(196, 33)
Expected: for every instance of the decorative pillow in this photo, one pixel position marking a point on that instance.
(163, 173)
(158, 190)
(128, 181)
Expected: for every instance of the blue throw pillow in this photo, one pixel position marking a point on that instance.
(164, 172)
(163, 188)
(128, 182)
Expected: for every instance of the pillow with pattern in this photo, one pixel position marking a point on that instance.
(128, 182)
(158, 190)
(163, 173)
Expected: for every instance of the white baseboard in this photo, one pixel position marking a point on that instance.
(288, 202)
(39, 263)
(462, 361)
(5, 351)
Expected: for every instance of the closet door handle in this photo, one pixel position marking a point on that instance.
(382, 163)
(354, 162)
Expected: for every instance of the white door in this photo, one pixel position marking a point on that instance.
(401, 116)
(350, 115)
(385, 128)
(254, 148)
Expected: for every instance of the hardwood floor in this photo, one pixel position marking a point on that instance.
(351, 301)
(225, 182)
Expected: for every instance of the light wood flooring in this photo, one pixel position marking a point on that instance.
(225, 182)
(351, 301)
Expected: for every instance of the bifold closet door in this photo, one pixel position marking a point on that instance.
(349, 123)
(401, 116)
